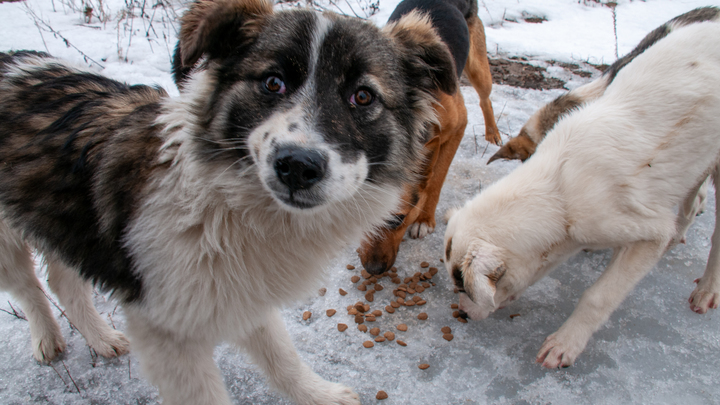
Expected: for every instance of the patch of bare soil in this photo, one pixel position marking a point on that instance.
(518, 74)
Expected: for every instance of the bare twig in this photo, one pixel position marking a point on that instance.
(14, 312)
(58, 374)
(69, 375)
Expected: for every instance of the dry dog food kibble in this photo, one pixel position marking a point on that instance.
(365, 274)
(381, 395)
(379, 339)
(342, 327)
(362, 328)
(410, 303)
(355, 279)
(419, 289)
(377, 312)
(389, 335)
(375, 331)
(394, 304)
(422, 316)
(448, 336)
(416, 299)
(368, 344)
(353, 311)
(513, 316)
(433, 271)
(359, 318)
(462, 320)
(330, 312)
(422, 302)
(378, 287)
(370, 318)
(424, 366)
(454, 306)
(389, 309)
(401, 343)
(402, 327)
(342, 292)
(350, 267)
(424, 265)
(362, 287)
(306, 315)
(370, 296)
(446, 329)
(456, 314)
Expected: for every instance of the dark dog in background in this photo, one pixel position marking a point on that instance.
(294, 134)
(461, 30)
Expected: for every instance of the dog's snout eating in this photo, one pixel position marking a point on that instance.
(463, 314)
(299, 168)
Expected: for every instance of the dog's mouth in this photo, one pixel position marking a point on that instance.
(298, 200)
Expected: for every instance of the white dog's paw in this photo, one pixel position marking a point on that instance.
(559, 350)
(327, 393)
(420, 230)
(47, 344)
(704, 297)
(110, 343)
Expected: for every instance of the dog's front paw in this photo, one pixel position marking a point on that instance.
(327, 393)
(560, 350)
(493, 137)
(420, 230)
(110, 343)
(47, 345)
(705, 296)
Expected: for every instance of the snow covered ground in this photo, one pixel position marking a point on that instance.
(652, 350)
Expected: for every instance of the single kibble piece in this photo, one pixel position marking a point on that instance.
(360, 307)
(330, 312)
(396, 280)
(424, 366)
(402, 327)
(428, 275)
(401, 294)
(513, 316)
(368, 344)
(448, 336)
(367, 282)
(462, 320)
(378, 287)
(375, 331)
(353, 311)
(363, 328)
(365, 274)
(366, 308)
(410, 303)
(454, 306)
(359, 318)
(342, 292)
(401, 343)
(419, 289)
(416, 299)
(342, 327)
(456, 314)
(426, 285)
(422, 302)
(306, 315)
(322, 291)
(370, 318)
(400, 300)
(411, 291)
(456, 290)
(394, 304)
(355, 279)
(389, 335)
(422, 316)
(379, 339)
(433, 271)
(381, 395)
(369, 296)
(424, 265)
(389, 309)
(350, 267)
(362, 287)
(446, 329)
(377, 312)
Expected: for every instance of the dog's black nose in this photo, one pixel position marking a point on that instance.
(463, 314)
(299, 168)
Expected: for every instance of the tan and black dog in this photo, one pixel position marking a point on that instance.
(295, 135)
(458, 25)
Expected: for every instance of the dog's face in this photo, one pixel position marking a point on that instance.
(476, 268)
(320, 104)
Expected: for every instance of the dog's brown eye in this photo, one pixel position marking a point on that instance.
(362, 97)
(273, 84)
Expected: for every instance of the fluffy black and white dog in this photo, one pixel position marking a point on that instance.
(204, 213)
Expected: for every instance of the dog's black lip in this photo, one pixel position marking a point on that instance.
(463, 314)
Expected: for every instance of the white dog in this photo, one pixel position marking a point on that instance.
(608, 175)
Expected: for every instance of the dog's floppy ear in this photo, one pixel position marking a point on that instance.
(482, 268)
(425, 56)
(521, 147)
(215, 28)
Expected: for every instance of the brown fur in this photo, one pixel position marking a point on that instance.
(378, 252)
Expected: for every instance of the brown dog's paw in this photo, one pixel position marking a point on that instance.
(494, 138)
(704, 297)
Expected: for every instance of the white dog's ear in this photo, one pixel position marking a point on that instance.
(482, 268)
(449, 214)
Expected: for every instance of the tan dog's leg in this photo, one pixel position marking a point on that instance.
(453, 121)
(17, 275)
(627, 267)
(693, 205)
(477, 70)
(75, 295)
(707, 293)
(272, 350)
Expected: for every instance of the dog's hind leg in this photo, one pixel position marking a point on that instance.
(707, 293)
(692, 206)
(75, 295)
(627, 267)
(272, 350)
(17, 275)
(477, 70)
